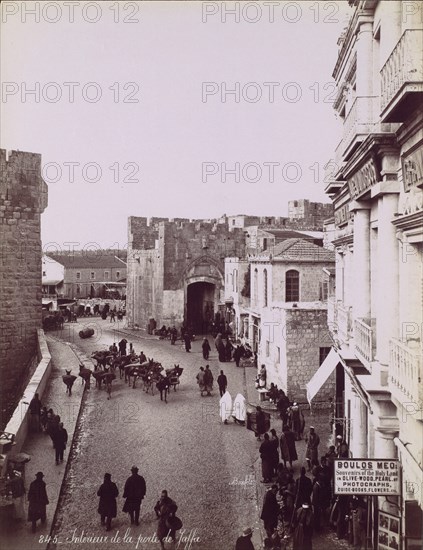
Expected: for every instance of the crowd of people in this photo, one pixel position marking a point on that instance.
(45, 420)
(302, 507)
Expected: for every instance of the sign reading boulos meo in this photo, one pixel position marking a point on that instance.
(367, 476)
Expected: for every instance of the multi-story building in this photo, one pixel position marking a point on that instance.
(237, 295)
(91, 275)
(375, 314)
(277, 301)
(52, 278)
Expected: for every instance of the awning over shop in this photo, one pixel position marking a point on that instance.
(51, 282)
(322, 374)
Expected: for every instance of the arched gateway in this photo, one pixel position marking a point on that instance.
(203, 285)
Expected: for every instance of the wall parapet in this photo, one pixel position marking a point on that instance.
(18, 424)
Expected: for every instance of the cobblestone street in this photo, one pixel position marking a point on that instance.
(213, 471)
(180, 446)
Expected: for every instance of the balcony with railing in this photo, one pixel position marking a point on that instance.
(362, 119)
(365, 340)
(402, 77)
(405, 371)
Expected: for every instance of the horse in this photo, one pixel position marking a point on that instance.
(102, 358)
(122, 362)
(163, 385)
(85, 374)
(153, 375)
(108, 378)
(68, 379)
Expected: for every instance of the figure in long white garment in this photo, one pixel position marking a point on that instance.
(225, 405)
(239, 409)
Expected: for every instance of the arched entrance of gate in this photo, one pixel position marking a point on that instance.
(203, 283)
(200, 306)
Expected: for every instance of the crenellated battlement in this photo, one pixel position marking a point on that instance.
(22, 188)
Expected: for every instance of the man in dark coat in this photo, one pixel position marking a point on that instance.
(303, 533)
(303, 489)
(282, 405)
(165, 510)
(60, 439)
(266, 453)
(290, 441)
(228, 350)
(244, 541)
(122, 346)
(37, 498)
(260, 422)
(238, 353)
(222, 382)
(317, 501)
(312, 453)
(206, 348)
(107, 507)
(220, 346)
(208, 380)
(134, 492)
(270, 510)
(187, 340)
(34, 410)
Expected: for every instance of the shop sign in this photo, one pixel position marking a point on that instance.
(367, 477)
(363, 179)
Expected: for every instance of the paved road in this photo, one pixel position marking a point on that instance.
(181, 446)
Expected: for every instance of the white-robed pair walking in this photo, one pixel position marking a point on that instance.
(237, 408)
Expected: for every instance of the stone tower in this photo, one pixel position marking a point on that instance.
(23, 197)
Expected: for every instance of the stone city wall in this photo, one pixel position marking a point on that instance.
(23, 197)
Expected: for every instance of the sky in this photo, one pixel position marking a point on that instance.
(169, 109)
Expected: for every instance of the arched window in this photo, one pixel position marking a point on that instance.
(255, 290)
(292, 286)
(265, 288)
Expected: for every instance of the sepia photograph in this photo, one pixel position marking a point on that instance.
(211, 298)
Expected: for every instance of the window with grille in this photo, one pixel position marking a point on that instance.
(78, 275)
(292, 286)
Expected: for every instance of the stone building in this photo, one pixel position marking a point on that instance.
(90, 274)
(287, 322)
(313, 214)
(52, 278)
(23, 197)
(176, 270)
(375, 314)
